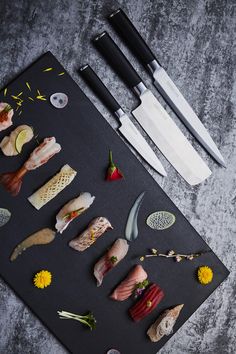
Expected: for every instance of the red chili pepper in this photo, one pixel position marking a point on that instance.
(113, 173)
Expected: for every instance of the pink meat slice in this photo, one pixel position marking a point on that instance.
(118, 251)
(125, 289)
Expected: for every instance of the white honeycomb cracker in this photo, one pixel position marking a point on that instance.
(53, 187)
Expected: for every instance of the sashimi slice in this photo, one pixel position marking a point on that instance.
(125, 289)
(148, 302)
(115, 254)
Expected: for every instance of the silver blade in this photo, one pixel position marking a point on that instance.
(177, 101)
(170, 140)
(134, 137)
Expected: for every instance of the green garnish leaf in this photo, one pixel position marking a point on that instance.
(113, 259)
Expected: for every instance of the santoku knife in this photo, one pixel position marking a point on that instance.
(127, 128)
(154, 119)
(163, 82)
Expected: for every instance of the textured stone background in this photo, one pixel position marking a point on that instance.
(195, 42)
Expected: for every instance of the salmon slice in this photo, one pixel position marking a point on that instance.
(115, 254)
(148, 302)
(125, 289)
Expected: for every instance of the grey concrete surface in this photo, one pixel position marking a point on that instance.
(195, 42)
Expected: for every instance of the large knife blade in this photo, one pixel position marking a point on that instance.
(154, 119)
(163, 82)
(127, 128)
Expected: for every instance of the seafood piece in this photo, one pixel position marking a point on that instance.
(95, 229)
(128, 285)
(12, 181)
(115, 254)
(148, 302)
(6, 114)
(164, 324)
(131, 230)
(53, 187)
(41, 237)
(11, 145)
(5, 216)
(72, 209)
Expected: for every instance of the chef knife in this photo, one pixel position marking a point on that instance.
(163, 82)
(127, 128)
(154, 119)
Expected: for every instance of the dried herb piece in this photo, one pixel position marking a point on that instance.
(172, 254)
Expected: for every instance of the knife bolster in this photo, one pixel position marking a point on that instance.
(154, 66)
(140, 88)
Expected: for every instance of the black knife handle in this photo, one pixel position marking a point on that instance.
(124, 27)
(99, 88)
(117, 59)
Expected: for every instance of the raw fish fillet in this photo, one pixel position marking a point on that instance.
(12, 181)
(148, 302)
(115, 254)
(164, 324)
(95, 229)
(6, 114)
(72, 209)
(8, 143)
(128, 285)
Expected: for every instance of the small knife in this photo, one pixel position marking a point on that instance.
(127, 128)
(154, 119)
(163, 82)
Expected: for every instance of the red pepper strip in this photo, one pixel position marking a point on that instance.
(140, 310)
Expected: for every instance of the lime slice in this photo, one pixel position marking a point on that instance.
(160, 220)
(20, 140)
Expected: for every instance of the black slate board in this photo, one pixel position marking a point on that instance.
(86, 137)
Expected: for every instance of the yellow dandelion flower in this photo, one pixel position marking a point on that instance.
(205, 275)
(42, 279)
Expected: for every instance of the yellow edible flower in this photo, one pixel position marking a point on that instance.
(205, 275)
(42, 279)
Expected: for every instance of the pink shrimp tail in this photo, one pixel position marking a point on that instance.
(12, 181)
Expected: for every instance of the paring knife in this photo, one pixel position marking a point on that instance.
(127, 128)
(163, 82)
(154, 119)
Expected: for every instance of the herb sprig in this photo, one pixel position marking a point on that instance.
(88, 320)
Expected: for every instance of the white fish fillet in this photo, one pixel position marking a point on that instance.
(77, 205)
(53, 187)
(115, 254)
(8, 143)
